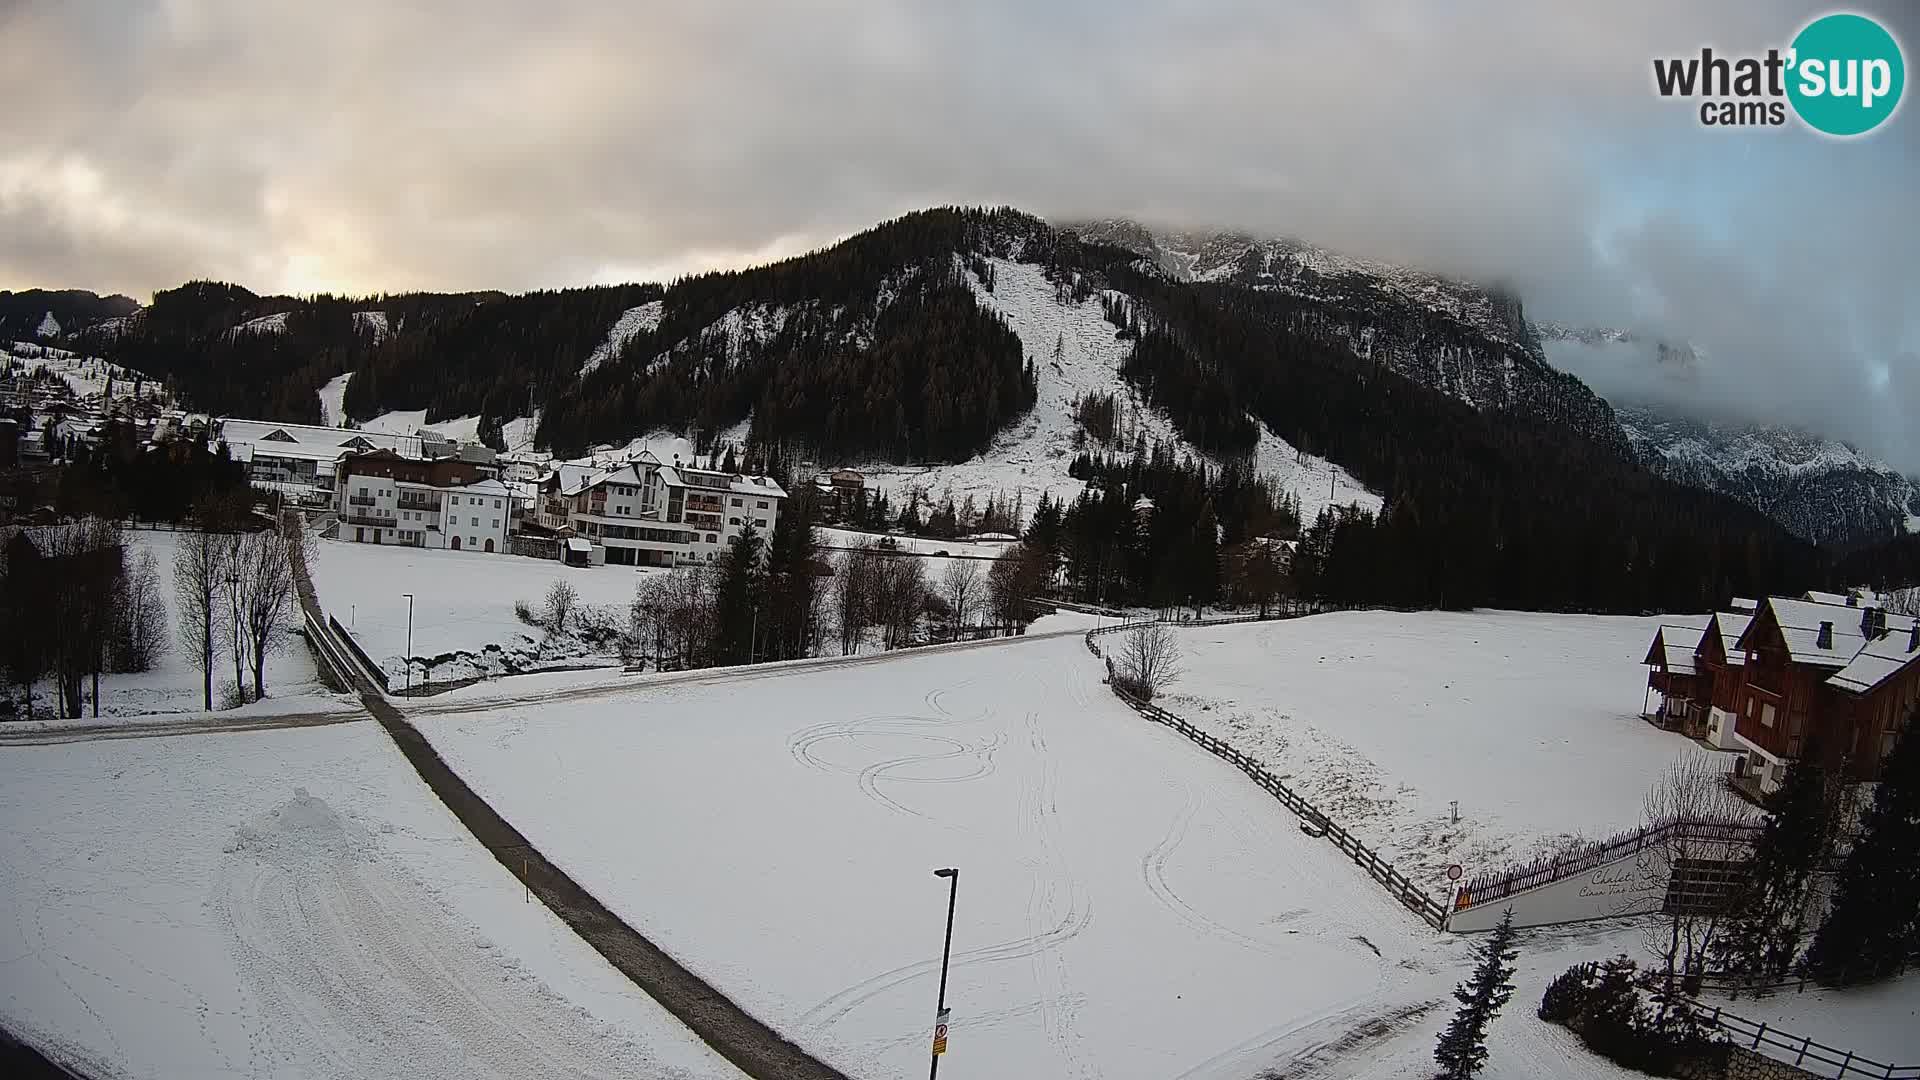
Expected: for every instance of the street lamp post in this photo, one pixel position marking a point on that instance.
(409, 597)
(952, 875)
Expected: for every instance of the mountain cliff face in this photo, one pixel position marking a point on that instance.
(46, 314)
(1468, 341)
(1819, 488)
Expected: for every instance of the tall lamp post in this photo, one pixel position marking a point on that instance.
(952, 875)
(409, 597)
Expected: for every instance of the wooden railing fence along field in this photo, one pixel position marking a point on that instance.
(1490, 887)
(1800, 1051)
(1411, 896)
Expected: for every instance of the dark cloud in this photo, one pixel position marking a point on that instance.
(370, 146)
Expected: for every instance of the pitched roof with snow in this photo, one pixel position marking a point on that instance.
(1730, 625)
(1673, 647)
(1799, 622)
(1880, 660)
(1819, 597)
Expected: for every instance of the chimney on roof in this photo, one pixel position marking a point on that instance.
(1853, 598)
(1873, 622)
(1825, 640)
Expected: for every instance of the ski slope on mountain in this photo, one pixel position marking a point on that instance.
(1075, 354)
(333, 396)
(634, 320)
(291, 904)
(86, 376)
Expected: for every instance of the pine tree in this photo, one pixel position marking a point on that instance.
(792, 590)
(1766, 930)
(1463, 1046)
(1872, 931)
(736, 608)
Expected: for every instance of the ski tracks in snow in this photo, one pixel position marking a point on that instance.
(352, 962)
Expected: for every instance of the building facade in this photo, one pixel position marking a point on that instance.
(386, 498)
(644, 513)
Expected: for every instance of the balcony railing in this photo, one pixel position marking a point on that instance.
(369, 519)
(361, 500)
(419, 504)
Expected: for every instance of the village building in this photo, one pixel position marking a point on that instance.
(385, 497)
(645, 513)
(1829, 671)
(300, 460)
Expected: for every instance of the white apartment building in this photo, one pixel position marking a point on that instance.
(648, 514)
(384, 498)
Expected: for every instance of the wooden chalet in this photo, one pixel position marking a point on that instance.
(1672, 672)
(1839, 675)
(1721, 676)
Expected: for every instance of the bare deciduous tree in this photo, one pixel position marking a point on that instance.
(1694, 798)
(142, 636)
(262, 576)
(561, 600)
(199, 575)
(1149, 659)
(960, 583)
(900, 598)
(1016, 575)
(853, 595)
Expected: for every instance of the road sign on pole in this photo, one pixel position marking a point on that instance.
(1454, 872)
(940, 1032)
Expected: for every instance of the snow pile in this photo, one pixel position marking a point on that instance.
(635, 320)
(333, 396)
(301, 828)
(372, 322)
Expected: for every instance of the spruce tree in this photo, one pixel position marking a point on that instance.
(1766, 930)
(791, 586)
(736, 611)
(1463, 1046)
(1872, 931)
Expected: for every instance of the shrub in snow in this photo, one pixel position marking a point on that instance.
(561, 600)
(524, 612)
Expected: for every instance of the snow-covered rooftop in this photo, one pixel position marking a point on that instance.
(1880, 660)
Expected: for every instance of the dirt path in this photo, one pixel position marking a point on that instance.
(752, 1046)
(199, 725)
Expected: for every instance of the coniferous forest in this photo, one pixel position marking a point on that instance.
(876, 349)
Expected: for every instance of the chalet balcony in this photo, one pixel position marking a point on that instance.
(360, 500)
(429, 505)
(353, 518)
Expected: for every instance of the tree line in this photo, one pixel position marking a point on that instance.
(74, 605)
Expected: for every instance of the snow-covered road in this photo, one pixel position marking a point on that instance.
(1129, 907)
(289, 903)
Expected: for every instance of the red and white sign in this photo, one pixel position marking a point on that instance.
(1454, 872)
(940, 1032)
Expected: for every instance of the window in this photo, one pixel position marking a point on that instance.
(760, 523)
(496, 504)
(712, 539)
(475, 522)
(761, 505)
(454, 499)
(363, 489)
(496, 523)
(736, 502)
(733, 521)
(1766, 715)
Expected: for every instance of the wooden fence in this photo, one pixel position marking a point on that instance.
(1491, 887)
(1800, 1051)
(1312, 819)
(368, 667)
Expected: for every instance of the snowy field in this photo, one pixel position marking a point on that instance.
(1128, 906)
(290, 904)
(463, 600)
(174, 684)
(86, 376)
(1382, 719)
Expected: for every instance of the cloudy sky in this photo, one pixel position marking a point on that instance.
(378, 145)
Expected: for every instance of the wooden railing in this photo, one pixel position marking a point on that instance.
(1312, 819)
(1498, 885)
(1800, 1051)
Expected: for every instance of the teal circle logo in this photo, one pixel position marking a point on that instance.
(1846, 76)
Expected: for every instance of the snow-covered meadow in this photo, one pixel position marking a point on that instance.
(290, 903)
(463, 603)
(1383, 719)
